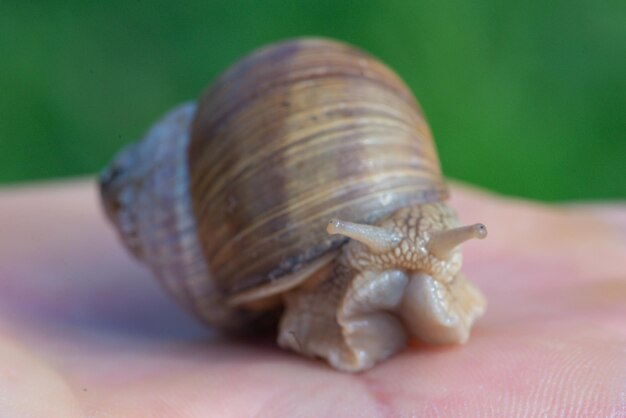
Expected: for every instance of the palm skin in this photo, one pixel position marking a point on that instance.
(86, 332)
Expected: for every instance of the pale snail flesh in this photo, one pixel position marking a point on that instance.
(304, 183)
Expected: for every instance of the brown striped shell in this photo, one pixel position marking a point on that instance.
(289, 137)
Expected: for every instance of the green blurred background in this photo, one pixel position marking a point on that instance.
(525, 98)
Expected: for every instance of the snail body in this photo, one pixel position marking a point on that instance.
(305, 178)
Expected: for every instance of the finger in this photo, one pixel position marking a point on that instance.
(30, 388)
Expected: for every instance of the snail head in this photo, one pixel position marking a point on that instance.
(423, 238)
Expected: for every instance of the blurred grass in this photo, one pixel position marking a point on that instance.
(526, 98)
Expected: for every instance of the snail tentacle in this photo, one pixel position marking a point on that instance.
(442, 243)
(377, 239)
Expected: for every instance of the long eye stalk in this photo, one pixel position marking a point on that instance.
(443, 242)
(378, 240)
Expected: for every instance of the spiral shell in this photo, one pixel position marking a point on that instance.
(292, 136)
(289, 137)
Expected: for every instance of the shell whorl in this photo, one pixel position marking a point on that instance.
(145, 192)
(291, 136)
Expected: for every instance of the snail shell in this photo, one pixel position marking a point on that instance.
(228, 201)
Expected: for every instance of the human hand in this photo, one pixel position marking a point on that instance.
(85, 330)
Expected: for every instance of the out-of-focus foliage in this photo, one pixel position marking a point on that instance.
(526, 98)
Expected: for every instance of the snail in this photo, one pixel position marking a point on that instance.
(302, 189)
